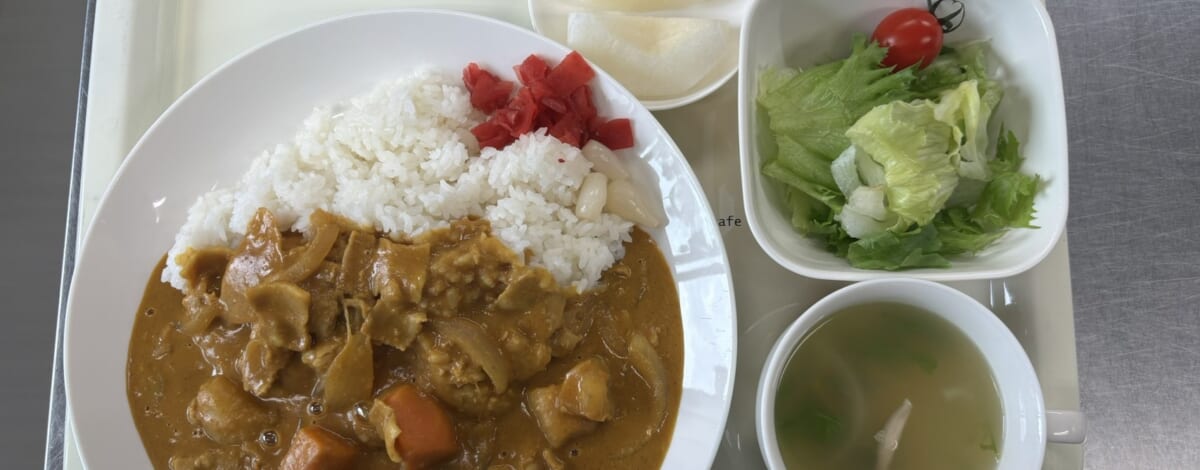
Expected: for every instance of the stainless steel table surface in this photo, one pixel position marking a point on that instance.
(1132, 75)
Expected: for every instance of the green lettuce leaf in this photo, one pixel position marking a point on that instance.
(1008, 157)
(804, 163)
(964, 108)
(960, 234)
(815, 219)
(831, 197)
(952, 67)
(917, 153)
(816, 106)
(807, 213)
(807, 114)
(1007, 201)
(772, 78)
(919, 247)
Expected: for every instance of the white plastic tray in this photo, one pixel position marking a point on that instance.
(147, 53)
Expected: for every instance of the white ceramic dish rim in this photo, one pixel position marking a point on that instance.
(707, 436)
(751, 185)
(1024, 411)
(661, 104)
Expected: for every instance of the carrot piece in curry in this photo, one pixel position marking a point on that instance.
(426, 432)
(315, 448)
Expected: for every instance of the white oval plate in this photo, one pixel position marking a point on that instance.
(209, 135)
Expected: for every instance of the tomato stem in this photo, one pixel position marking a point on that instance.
(952, 19)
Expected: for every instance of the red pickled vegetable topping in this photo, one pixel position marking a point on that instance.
(581, 103)
(570, 129)
(555, 98)
(518, 117)
(573, 72)
(555, 104)
(532, 70)
(488, 92)
(614, 134)
(540, 90)
(491, 134)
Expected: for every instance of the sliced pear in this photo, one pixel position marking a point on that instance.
(654, 57)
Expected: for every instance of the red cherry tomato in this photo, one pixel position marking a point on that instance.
(912, 35)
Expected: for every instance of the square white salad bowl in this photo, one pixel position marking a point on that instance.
(1023, 56)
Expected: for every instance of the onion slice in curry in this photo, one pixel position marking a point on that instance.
(305, 263)
(480, 347)
(649, 365)
(384, 419)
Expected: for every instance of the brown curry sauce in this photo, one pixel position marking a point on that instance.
(635, 297)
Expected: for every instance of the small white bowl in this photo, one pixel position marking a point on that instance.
(1026, 424)
(549, 18)
(804, 33)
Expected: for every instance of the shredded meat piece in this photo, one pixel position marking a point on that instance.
(584, 391)
(259, 253)
(228, 414)
(202, 309)
(558, 427)
(392, 321)
(407, 266)
(280, 314)
(260, 364)
(320, 356)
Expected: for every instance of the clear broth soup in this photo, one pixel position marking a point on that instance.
(852, 372)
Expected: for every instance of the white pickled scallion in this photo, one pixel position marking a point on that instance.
(631, 203)
(605, 161)
(593, 194)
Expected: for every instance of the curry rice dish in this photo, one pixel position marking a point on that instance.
(381, 293)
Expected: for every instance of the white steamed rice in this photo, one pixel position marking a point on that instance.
(401, 158)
